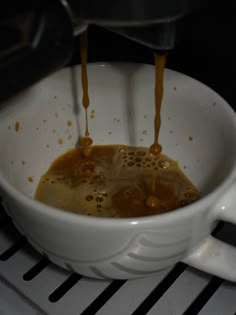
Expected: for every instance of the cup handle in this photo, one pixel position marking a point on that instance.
(214, 256)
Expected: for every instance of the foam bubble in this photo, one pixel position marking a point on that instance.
(164, 164)
(190, 195)
(99, 199)
(89, 197)
(122, 150)
(141, 153)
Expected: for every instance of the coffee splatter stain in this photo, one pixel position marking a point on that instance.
(185, 167)
(116, 120)
(109, 132)
(60, 141)
(53, 130)
(174, 88)
(214, 104)
(92, 114)
(171, 131)
(17, 126)
(48, 146)
(144, 132)
(69, 137)
(30, 179)
(56, 115)
(55, 97)
(44, 120)
(9, 127)
(23, 162)
(69, 123)
(141, 139)
(190, 139)
(145, 116)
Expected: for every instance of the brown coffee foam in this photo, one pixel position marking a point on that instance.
(115, 181)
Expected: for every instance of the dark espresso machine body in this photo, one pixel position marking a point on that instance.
(38, 37)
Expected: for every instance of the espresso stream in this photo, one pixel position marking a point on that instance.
(86, 141)
(116, 180)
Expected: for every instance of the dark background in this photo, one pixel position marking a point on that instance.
(206, 48)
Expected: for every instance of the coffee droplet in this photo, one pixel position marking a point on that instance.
(155, 149)
(17, 126)
(152, 202)
(85, 141)
(87, 151)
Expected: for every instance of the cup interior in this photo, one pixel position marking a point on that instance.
(198, 128)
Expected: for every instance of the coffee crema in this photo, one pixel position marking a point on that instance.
(115, 181)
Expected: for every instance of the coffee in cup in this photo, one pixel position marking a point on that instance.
(116, 180)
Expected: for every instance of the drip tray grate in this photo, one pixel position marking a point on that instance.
(36, 286)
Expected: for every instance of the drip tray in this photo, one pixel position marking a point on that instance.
(30, 284)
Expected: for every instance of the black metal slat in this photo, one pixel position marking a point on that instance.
(63, 288)
(4, 221)
(218, 228)
(204, 296)
(13, 249)
(160, 289)
(103, 297)
(36, 269)
(4, 218)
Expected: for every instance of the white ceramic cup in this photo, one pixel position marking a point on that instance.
(198, 129)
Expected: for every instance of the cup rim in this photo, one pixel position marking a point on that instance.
(166, 217)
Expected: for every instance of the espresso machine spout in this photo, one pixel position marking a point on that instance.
(37, 36)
